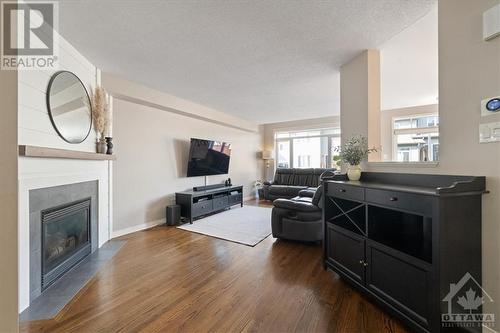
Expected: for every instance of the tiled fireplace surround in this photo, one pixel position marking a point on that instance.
(45, 183)
(44, 198)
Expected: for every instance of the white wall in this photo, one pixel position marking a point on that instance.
(409, 65)
(360, 99)
(8, 202)
(138, 93)
(152, 147)
(469, 71)
(35, 128)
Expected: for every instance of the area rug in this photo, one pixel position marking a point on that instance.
(247, 225)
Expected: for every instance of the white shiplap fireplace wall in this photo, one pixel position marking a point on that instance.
(36, 129)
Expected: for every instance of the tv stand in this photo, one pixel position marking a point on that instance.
(196, 204)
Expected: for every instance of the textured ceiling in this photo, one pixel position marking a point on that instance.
(264, 61)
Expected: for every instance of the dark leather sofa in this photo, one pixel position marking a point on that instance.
(299, 218)
(288, 183)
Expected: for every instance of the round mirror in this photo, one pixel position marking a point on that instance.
(69, 107)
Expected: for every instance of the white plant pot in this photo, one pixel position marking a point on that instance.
(354, 172)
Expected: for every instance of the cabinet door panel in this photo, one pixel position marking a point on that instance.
(220, 203)
(235, 199)
(202, 208)
(400, 282)
(346, 251)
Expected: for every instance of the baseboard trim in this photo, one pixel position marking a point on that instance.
(136, 228)
(247, 198)
(147, 225)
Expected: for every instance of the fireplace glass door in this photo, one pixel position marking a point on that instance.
(65, 238)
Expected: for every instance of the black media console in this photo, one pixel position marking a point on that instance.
(403, 239)
(195, 204)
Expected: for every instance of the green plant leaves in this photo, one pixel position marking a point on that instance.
(354, 151)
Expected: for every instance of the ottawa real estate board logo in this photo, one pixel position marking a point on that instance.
(29, 38)
(465, 305)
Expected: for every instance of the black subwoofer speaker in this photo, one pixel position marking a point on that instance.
(173, 214)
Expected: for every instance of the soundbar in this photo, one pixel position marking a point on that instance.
(208, 187)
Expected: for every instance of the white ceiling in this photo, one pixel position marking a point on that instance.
(262, 60)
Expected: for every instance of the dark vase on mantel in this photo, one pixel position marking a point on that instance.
(109, 142)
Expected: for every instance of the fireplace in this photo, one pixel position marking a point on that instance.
(66, 238)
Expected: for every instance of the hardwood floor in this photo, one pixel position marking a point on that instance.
(257, 202)
(167, 280)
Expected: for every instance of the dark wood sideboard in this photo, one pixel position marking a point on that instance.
(195, 204)
(403, 238)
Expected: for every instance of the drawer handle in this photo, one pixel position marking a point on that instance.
(393, 199)
(342, 190)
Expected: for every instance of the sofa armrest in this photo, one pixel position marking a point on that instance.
(299, 206)
(309, 193)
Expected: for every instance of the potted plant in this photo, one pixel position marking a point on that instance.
(100, 117)
(258, 185)
(353, 153)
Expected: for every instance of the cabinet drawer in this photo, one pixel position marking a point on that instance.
(420, 204)
(235, 199)
(202, 208)
(221, 203)
(346, 192)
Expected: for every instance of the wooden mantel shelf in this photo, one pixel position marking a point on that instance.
(45, 152)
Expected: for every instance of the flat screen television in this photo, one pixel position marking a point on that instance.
(208, 157)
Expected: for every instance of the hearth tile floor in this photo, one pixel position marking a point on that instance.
(53, 300)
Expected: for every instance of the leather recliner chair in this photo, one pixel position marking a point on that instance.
(299, 218)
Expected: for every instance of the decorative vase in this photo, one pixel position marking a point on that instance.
(354, 172)
(101, 146)
(109, 142)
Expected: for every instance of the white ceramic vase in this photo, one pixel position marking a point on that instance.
(354, 172)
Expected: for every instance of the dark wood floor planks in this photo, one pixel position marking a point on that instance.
(168, 280)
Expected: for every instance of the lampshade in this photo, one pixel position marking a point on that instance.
(267, 155)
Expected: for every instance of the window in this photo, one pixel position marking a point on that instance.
(416, 138)
(306, 149)
(283, 154)
(304, 161)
